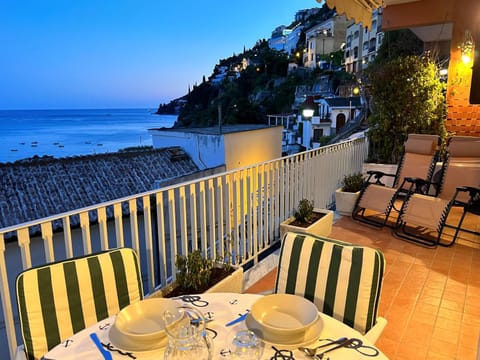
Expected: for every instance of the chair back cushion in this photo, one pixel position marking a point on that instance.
(418, 158)
(462, 168)
(343, 280)
(59, 299)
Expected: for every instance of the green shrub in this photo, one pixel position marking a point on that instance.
(408, 97)
(193, 270)
(352, 182)
(304, 211)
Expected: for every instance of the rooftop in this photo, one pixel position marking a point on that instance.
(215, 130)
(46, 186)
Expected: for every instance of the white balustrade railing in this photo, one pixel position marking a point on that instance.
(244, 206)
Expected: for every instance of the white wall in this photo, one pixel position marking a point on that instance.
(251, 147)
(206, 151)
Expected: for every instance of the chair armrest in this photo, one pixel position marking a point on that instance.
(377, 175)
(374, 333)
(473, 203)
(472, 190)
(417, 185)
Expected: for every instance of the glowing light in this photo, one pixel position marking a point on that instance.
(308, 113)
(466, 48)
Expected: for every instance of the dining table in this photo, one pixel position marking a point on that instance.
(219, 309)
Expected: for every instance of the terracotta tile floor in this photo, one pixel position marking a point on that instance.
(430, 297)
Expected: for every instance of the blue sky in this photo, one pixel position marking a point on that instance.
(58, 54)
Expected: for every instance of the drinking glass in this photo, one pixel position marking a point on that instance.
(187, 338)
(247, 346)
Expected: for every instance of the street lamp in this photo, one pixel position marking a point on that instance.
(308, 113)
(308, 107)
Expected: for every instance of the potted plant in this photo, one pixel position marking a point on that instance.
(308, 220)
(347, 195)
(197, 274)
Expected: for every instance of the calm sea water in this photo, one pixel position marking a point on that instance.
(61, 133)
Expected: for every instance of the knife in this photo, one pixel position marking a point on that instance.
(237, 320)
(105, 353)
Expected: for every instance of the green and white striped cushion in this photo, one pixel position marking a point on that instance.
(343, 280)
(57, 300)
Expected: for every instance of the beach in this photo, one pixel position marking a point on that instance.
(64, 133)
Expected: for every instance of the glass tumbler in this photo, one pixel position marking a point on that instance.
(246, 345)
(187, 338)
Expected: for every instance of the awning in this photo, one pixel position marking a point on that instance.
(359, 10)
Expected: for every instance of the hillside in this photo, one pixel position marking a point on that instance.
(244, 88)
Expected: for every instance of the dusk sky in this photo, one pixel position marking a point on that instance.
(57, 54)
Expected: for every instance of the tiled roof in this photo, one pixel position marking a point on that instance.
(45, 186)
(343, 102)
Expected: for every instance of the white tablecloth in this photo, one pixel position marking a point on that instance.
(222, 307)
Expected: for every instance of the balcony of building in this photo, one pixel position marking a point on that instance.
(429, 297)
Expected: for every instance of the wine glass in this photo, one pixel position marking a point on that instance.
(247, 346)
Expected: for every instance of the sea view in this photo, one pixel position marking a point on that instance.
(62, 133)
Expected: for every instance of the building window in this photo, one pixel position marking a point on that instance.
(356, 34)
(355, 52)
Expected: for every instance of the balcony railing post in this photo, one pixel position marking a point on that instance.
(118, 216)
(6, 301)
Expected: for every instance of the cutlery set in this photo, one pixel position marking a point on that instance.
(352, 343)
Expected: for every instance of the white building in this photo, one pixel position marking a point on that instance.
(362, 44)
(339, 110)
(284, 39)
(226, 146)
(325, 38)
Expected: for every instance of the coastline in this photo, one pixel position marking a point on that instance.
(34, 134)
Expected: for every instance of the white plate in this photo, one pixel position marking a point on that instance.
(140, 326)
(309, 336)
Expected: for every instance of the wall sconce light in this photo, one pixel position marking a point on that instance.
(308, 107)
(467, 48)
(307, 113)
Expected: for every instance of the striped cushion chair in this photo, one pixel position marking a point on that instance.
(341, 279)
(59, 299)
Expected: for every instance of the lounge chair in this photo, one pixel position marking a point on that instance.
(423, 218)
(376, 200)
(343, 280)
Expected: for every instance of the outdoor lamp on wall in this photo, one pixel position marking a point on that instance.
(308, 108)
(307, 113)
(466, 47)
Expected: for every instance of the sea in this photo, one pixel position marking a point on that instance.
(65, 133)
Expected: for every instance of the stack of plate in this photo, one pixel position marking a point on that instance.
(285, 319)
(140, 326)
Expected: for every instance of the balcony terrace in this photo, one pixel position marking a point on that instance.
(430, 296)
